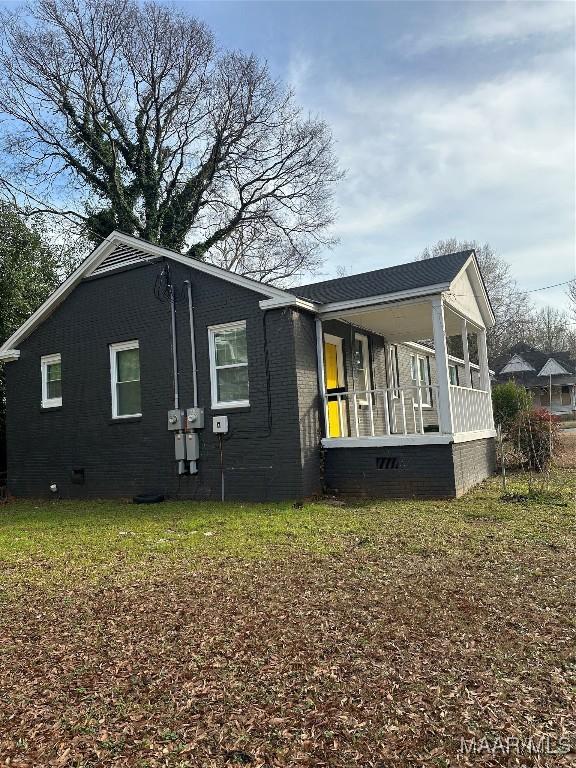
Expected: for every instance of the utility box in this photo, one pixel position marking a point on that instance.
(195, 418)
(180, 447)
(192, 446)
(177, 419)
(220, 425)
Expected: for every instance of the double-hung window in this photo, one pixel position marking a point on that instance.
(51, 370)
(420, 369)
(362, 367)
(228, 365)
(125, 379)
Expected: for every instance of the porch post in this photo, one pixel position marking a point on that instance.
(444, 399)
(483, 360)
(466, 353)
(321, 379)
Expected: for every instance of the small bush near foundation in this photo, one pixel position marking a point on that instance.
(535, 436)
(509, 400)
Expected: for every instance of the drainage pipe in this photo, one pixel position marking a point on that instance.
(174, 348)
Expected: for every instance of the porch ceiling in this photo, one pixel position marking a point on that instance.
(402, 321)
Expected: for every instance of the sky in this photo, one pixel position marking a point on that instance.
(451, 119)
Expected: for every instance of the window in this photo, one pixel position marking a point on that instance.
(393, 371)
(125, 379)
(51, 369)
(420, 370)
(453, 372)
(361, 360)
(228, 365)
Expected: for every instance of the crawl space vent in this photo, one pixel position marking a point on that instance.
(387, 462)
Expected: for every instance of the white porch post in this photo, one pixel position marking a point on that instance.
(466, 353)
(444, 399)
(484, 369)
(321, 380)
(483, 360)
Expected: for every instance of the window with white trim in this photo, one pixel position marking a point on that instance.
(51, 370)
(125, 379)
(228, 365)
(420, 371)
(361, 358)
(453, 373)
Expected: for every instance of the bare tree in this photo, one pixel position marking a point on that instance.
(551, 330)
(134, 111)
(511, 306)
(572, 297)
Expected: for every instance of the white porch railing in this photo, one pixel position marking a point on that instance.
(377, 412)
(404, 411)
(471, 409)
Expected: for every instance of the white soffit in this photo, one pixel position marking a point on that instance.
(552, 368)
(516, 364)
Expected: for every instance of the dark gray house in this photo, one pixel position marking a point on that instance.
(149, 372)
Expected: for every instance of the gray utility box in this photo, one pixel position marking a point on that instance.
(180, 447)
(177, 419)
(195, 418)
(220, 425)
(192, 446)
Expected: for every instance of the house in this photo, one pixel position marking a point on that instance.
(150, 372)
(550, 377)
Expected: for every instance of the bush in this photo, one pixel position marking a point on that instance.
(509, 400)
(535, 433)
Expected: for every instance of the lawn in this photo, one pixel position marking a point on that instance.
(329, 634)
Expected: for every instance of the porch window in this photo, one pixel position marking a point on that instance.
(453, 371)
(362, 366)
(420, 370)
(125, 379)
(228, 365)
(51, 370)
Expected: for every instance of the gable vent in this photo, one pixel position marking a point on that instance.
(121, 256)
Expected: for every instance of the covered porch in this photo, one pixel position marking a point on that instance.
(381, 386)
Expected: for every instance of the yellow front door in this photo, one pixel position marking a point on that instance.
(331, 375)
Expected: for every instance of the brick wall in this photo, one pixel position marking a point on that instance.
(262, 457)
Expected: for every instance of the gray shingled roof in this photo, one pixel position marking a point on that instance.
(404, 277)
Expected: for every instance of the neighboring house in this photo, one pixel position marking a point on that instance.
(549, 377)
(290, 392)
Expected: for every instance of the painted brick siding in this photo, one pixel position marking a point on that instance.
(473, 462)
(428, 471)
(425, 471)
(262, 457)
(309, 402)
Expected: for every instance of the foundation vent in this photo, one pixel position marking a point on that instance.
(387, 462)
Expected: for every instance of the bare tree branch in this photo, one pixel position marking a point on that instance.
(177, 143)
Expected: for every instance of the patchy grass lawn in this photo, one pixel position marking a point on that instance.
(369, 634)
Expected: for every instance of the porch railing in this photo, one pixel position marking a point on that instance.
(377, 412)
(471, 409)
(404, 411)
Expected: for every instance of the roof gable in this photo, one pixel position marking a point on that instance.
(517, 364)
(119, 250)
(552, 368)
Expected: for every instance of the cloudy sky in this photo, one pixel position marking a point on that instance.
(450, 118)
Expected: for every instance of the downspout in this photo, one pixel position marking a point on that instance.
(174, 348)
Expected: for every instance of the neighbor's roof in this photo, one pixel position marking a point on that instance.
(439, 270)
(537, 360)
